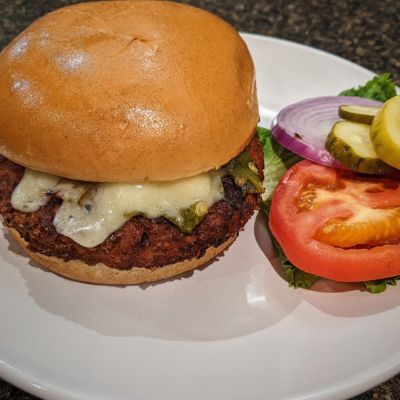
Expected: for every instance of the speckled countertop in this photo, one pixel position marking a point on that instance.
(363, 31)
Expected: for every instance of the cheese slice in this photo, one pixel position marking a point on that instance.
(91, 212)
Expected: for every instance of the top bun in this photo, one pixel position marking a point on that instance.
(126, 91)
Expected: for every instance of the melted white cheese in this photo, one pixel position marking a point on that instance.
(32, 191)
(91, 212)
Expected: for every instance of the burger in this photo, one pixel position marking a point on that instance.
(127, 140)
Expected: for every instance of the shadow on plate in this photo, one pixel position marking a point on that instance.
(233, 297)
(333, 298)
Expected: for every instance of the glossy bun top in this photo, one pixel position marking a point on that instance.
(126, 91)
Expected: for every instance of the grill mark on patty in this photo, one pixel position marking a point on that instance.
(141, 242)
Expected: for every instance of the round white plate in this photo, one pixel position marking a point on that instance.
(231, 331)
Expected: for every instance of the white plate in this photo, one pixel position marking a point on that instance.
(231, 331)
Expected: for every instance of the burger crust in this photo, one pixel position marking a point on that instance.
(126, 91)
(102, 274)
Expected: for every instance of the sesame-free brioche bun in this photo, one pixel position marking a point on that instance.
(126, 91)
(102, 274)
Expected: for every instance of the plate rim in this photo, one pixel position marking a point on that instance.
(306, 48)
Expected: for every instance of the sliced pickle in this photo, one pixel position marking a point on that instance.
(362, 114)
(385, 132)
(350, 144)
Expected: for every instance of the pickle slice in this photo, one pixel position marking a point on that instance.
(350, 144)
(362, 114)
(385, 132)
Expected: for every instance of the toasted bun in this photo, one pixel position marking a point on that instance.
(101, 274)
(125, 91)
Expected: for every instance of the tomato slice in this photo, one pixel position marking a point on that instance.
(336, 224)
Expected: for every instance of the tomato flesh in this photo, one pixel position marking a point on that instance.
(336, 224)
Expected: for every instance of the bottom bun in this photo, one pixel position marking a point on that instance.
(102, 274)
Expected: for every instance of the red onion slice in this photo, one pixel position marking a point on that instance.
(304, 126)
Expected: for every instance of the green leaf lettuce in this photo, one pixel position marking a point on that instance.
(380, 88)
(277, 160)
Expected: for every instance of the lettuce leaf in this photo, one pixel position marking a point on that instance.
(381, 285)
(380, 88)
(295, 277)
(277, 160)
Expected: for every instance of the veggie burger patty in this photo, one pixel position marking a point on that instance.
(141, 242)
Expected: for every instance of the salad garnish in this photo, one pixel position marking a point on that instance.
(279, 159)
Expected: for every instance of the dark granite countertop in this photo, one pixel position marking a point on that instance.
(363, 31)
